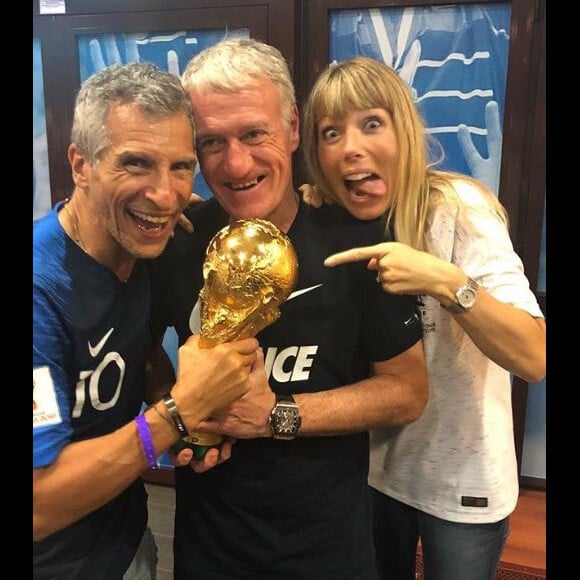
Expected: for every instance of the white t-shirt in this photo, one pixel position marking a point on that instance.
(461, 450)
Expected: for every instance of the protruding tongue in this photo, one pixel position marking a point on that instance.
(369, 186)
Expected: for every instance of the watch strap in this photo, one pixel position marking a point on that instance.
(284, 398)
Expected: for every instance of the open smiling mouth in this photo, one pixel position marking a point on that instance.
(148, 222)
(245, 185)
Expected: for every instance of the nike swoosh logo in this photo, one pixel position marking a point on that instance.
(303, 291)
(95, 350)
(411, 320)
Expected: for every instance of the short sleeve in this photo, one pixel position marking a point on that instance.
(483, 250)
(392, 323)
(51, 429)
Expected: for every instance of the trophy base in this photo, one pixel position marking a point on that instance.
(208, 439)
(201, 443)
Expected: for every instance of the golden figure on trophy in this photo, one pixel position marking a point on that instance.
(249, 270)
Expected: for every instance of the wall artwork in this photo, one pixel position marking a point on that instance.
(455, 60)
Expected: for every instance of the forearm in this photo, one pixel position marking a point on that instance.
(390, 398)
(510, 337)
(397, 394)
(357, 407)
(507, 335)
(88, 474)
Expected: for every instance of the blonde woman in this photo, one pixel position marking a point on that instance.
(449, 478)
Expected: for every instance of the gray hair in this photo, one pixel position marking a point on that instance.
(154, 91)
(233, 64)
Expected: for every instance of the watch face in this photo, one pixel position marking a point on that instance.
(286, 420)
(467, 297)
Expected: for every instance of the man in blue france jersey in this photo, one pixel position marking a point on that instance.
(132, 160)
(292, 501)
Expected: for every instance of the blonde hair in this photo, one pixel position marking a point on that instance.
(363, 83)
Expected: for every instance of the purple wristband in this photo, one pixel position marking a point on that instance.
(147, 441)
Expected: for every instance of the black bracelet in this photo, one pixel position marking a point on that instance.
(175, 416)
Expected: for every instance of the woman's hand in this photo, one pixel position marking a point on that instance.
(404, 270)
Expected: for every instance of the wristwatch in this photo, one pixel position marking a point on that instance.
(465, 297)
(285, 418)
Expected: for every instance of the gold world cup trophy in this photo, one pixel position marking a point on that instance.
(250, 268)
